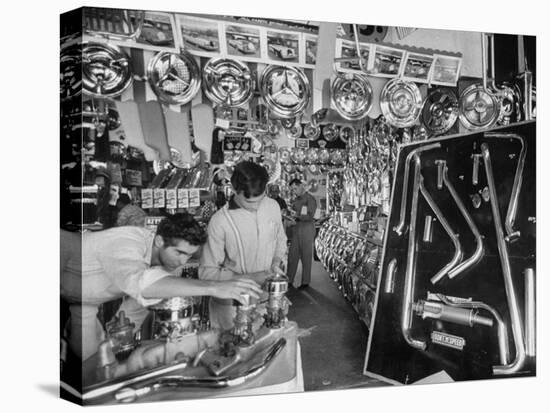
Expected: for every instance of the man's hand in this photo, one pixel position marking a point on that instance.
(234, 288)
(276, 269)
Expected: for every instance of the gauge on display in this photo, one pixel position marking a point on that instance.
(295, 131)
(351, 95)
(286, 90)
(330, 132)
(440, 111)
(312, 131)
(175, 78)
(70, 71)
(284, 154)
(298, 155)
(227, 82)
(477, 108)
(105, 70)
(288, 123)
(401, 103)
(510, 104)
(312, 155)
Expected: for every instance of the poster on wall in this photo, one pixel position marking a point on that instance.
(388, 61)
(158, 29)
(346, 49)
(242, 41)
(201, 36)
(283, 46)
(446, 70)
(311, 50)
(418, 67)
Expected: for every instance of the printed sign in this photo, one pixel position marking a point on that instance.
(147, 198)
(159, 199)
(152, 223)
(448, 340)
(171, 199)
(183, 198)
(194, 198)
(133, 178)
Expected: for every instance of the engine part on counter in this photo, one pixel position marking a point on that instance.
(347, 134)
(511, 234)
(277, 305)
(227, 82)
(513, 307)
(427, 229)
(106, 361)
(439, 311)
(130, 394)
(175, 78)
(530, 308)
(475, 168)
(441, 165)
(502, 331)
(244, 318)
(286, 90)
(479, 251)
(114, 24)
(410, 271)
(478, 108)
(457, 256)
(312, 131)
(70, 71)
(401, 103)
(440, 111)
(390, 276)
(351, 95)
(104, 389)
(404, 193)
(172, 318)
(106, 70)
(121, 333)
(330, 132)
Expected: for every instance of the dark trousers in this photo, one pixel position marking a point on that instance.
(301, 248)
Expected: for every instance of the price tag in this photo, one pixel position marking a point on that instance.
(159, 199)
(183, 198)
(222, 123)
(302, 143)
(194, 198)
(147, 198)
(152, 222)
(171, 199)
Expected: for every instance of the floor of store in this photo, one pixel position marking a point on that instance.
(333, 339)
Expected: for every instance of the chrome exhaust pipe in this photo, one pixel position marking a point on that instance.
(517, 328)
(530, 324)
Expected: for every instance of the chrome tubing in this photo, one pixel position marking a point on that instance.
(427, 229)
(515, 319)
(512, 235)
(130, 394)
(399, 227)
(390, 276)
(530, 324)
(103, 389)
(478, 253)
(454, 237)
(410, 271)
(452, 314)
(502, 332)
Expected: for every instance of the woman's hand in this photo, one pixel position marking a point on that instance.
(234, 288)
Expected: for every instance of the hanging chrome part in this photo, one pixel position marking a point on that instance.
(511, 234)
(410, 271)
(478, 253)
(441, 164)
(502, 332)
(427, 229)
(511, 297)
(530, 307)
(475, 168)
(130, 394)
(390, 276)
(228, 82)
(404, 193)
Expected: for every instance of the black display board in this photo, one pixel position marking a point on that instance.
(389, 356)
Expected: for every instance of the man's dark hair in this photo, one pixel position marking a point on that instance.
(295, 181)
(123, 200)
(250, 178)
(183, 226)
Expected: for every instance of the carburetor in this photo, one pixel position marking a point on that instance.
(173, 318)
(243, 332)
(277, 304)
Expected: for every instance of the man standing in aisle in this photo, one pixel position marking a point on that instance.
(135, 263)
(303, 234)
